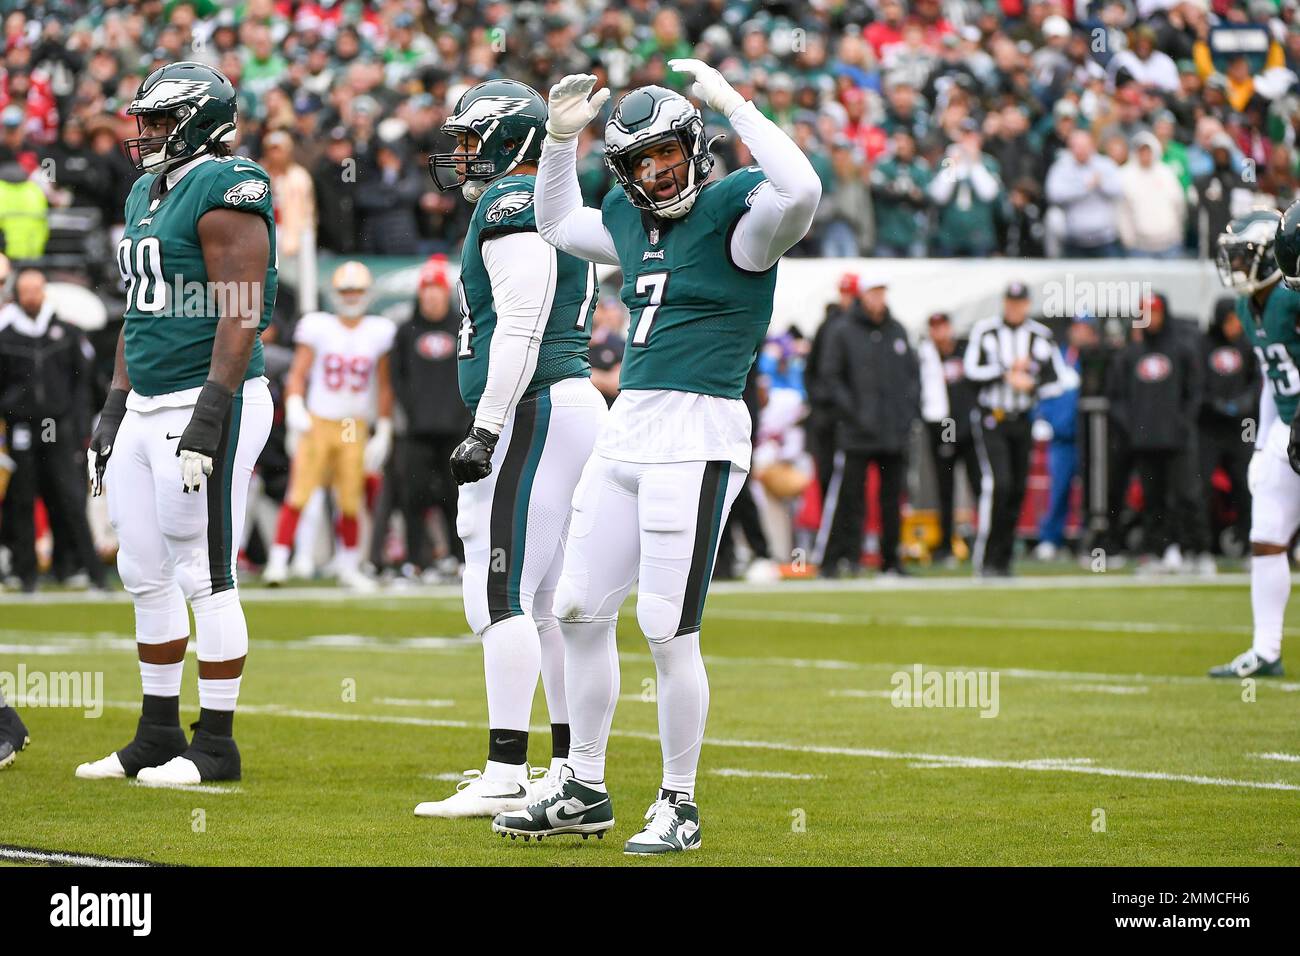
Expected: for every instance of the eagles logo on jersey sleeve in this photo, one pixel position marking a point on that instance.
(506, 207)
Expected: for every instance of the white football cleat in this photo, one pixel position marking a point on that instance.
(106, 768)
(177, 772)
(477, 796)
(762, 571)
(275, 573)
(355, 580)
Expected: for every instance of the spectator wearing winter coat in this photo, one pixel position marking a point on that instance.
(1086, 186)
(967, 189)
(1153, 212)
(847, 224)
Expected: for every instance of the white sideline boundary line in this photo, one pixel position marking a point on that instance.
(1063, 765)
(55, 858)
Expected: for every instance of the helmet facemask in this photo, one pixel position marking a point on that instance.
(641, 177)
(467, 167)
(158, 154)
(1246, 263)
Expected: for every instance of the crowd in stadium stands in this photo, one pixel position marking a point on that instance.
(1018, 128)
(1001, 127)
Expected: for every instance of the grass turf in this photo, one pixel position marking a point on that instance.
(351, 708)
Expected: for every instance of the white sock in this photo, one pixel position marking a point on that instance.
(683, 695)
(552, 645)
(1270, 587)
(591, 677)
(219, 694)
(511, 664)
(505, 772)
(161, 680)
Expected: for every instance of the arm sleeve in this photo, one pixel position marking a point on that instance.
(1059, 377)
(983, 181)
(977, 369)
(781, 212)
(514, 263)
(562, 219)
(944, 184)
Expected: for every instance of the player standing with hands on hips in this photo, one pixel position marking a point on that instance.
(699, 270)
(188, 414)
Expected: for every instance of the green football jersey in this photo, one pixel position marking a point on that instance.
(507, 207)
(1276, 340)
(171, 314)
(698, 319)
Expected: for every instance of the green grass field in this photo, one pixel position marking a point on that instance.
(1103, 716)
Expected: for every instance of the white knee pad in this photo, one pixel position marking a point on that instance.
(220, 627)
(658, 616)
(474, 588)
(160, 614)
(193, 573)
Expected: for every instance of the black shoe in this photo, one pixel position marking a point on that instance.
(895, 571)
(153, 746)
(216, 757)
(13, 730)
(7, 754)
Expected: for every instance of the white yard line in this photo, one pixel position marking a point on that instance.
(408, 702)
(190, 787)
(763, 774)
(1064, 765)
(20, 854)
(1274, 755)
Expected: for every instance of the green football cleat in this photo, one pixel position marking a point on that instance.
(1249, 664)
(572, 807)
(673, 826)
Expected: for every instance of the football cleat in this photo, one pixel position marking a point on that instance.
(209, 759)
(275, 573)
(1248, 664)
(13, 729)
(154, 745)
(7, 754)
(672, 827)
(356, 580)
(569, 807)
(476, 796)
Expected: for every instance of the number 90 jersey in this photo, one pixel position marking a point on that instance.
(172, 312)
(342, 383)
(698, 319)
(1276, 341)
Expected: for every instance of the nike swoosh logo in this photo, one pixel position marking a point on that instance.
(505, 796)
(244, 169)
(171, 437)
(560, 813)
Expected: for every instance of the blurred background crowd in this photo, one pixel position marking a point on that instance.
(940, 128)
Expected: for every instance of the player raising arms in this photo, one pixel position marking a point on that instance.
(339, 377)
(1270, 314)
(698, 263)
(524, 374)
(188, 413)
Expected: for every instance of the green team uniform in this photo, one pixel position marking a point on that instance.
(507, 207)
(698, 319)
(170, 331)
(1276, 341)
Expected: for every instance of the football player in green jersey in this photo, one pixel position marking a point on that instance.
(524, 374)
(1270, 312)
(188, 413)
(699, 268)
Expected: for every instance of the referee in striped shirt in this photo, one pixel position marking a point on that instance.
(1013, 361)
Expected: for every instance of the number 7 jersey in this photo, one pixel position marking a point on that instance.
(1276, 340)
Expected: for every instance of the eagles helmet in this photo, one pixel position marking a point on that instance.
(201, 101)
(1286, 246)
(1245, 258)
(648, 117)
(509, 120)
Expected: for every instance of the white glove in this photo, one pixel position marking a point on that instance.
(194, 466)
(377, 448)
(96, 483)
(568, 110)
(296, 416)
(1041, 430)
(709, 86)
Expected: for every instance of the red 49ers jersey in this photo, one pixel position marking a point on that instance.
(342, 382)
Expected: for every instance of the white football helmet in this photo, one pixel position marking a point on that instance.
(647, 117)
(351, 283)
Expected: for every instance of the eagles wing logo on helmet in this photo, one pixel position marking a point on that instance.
(169, 93)
(250, 190)
(489, 108)
(508, 205)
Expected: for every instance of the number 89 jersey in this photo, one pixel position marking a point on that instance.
(171, 312)
(342, 383)
(1276, 341)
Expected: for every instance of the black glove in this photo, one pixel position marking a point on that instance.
(1293, 446)
(104, 437)
(472, 459)
(202, 436)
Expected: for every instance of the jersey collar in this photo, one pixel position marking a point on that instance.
(174, 176)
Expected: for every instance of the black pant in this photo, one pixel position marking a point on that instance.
(848, 507)
(48, 465)
(946, 456)
(1004, 448)
(820, 432)
(1222, 445)
(745, 518)
(424, 463)
(1159, 473)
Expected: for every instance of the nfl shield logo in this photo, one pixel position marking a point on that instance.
(654, 236)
